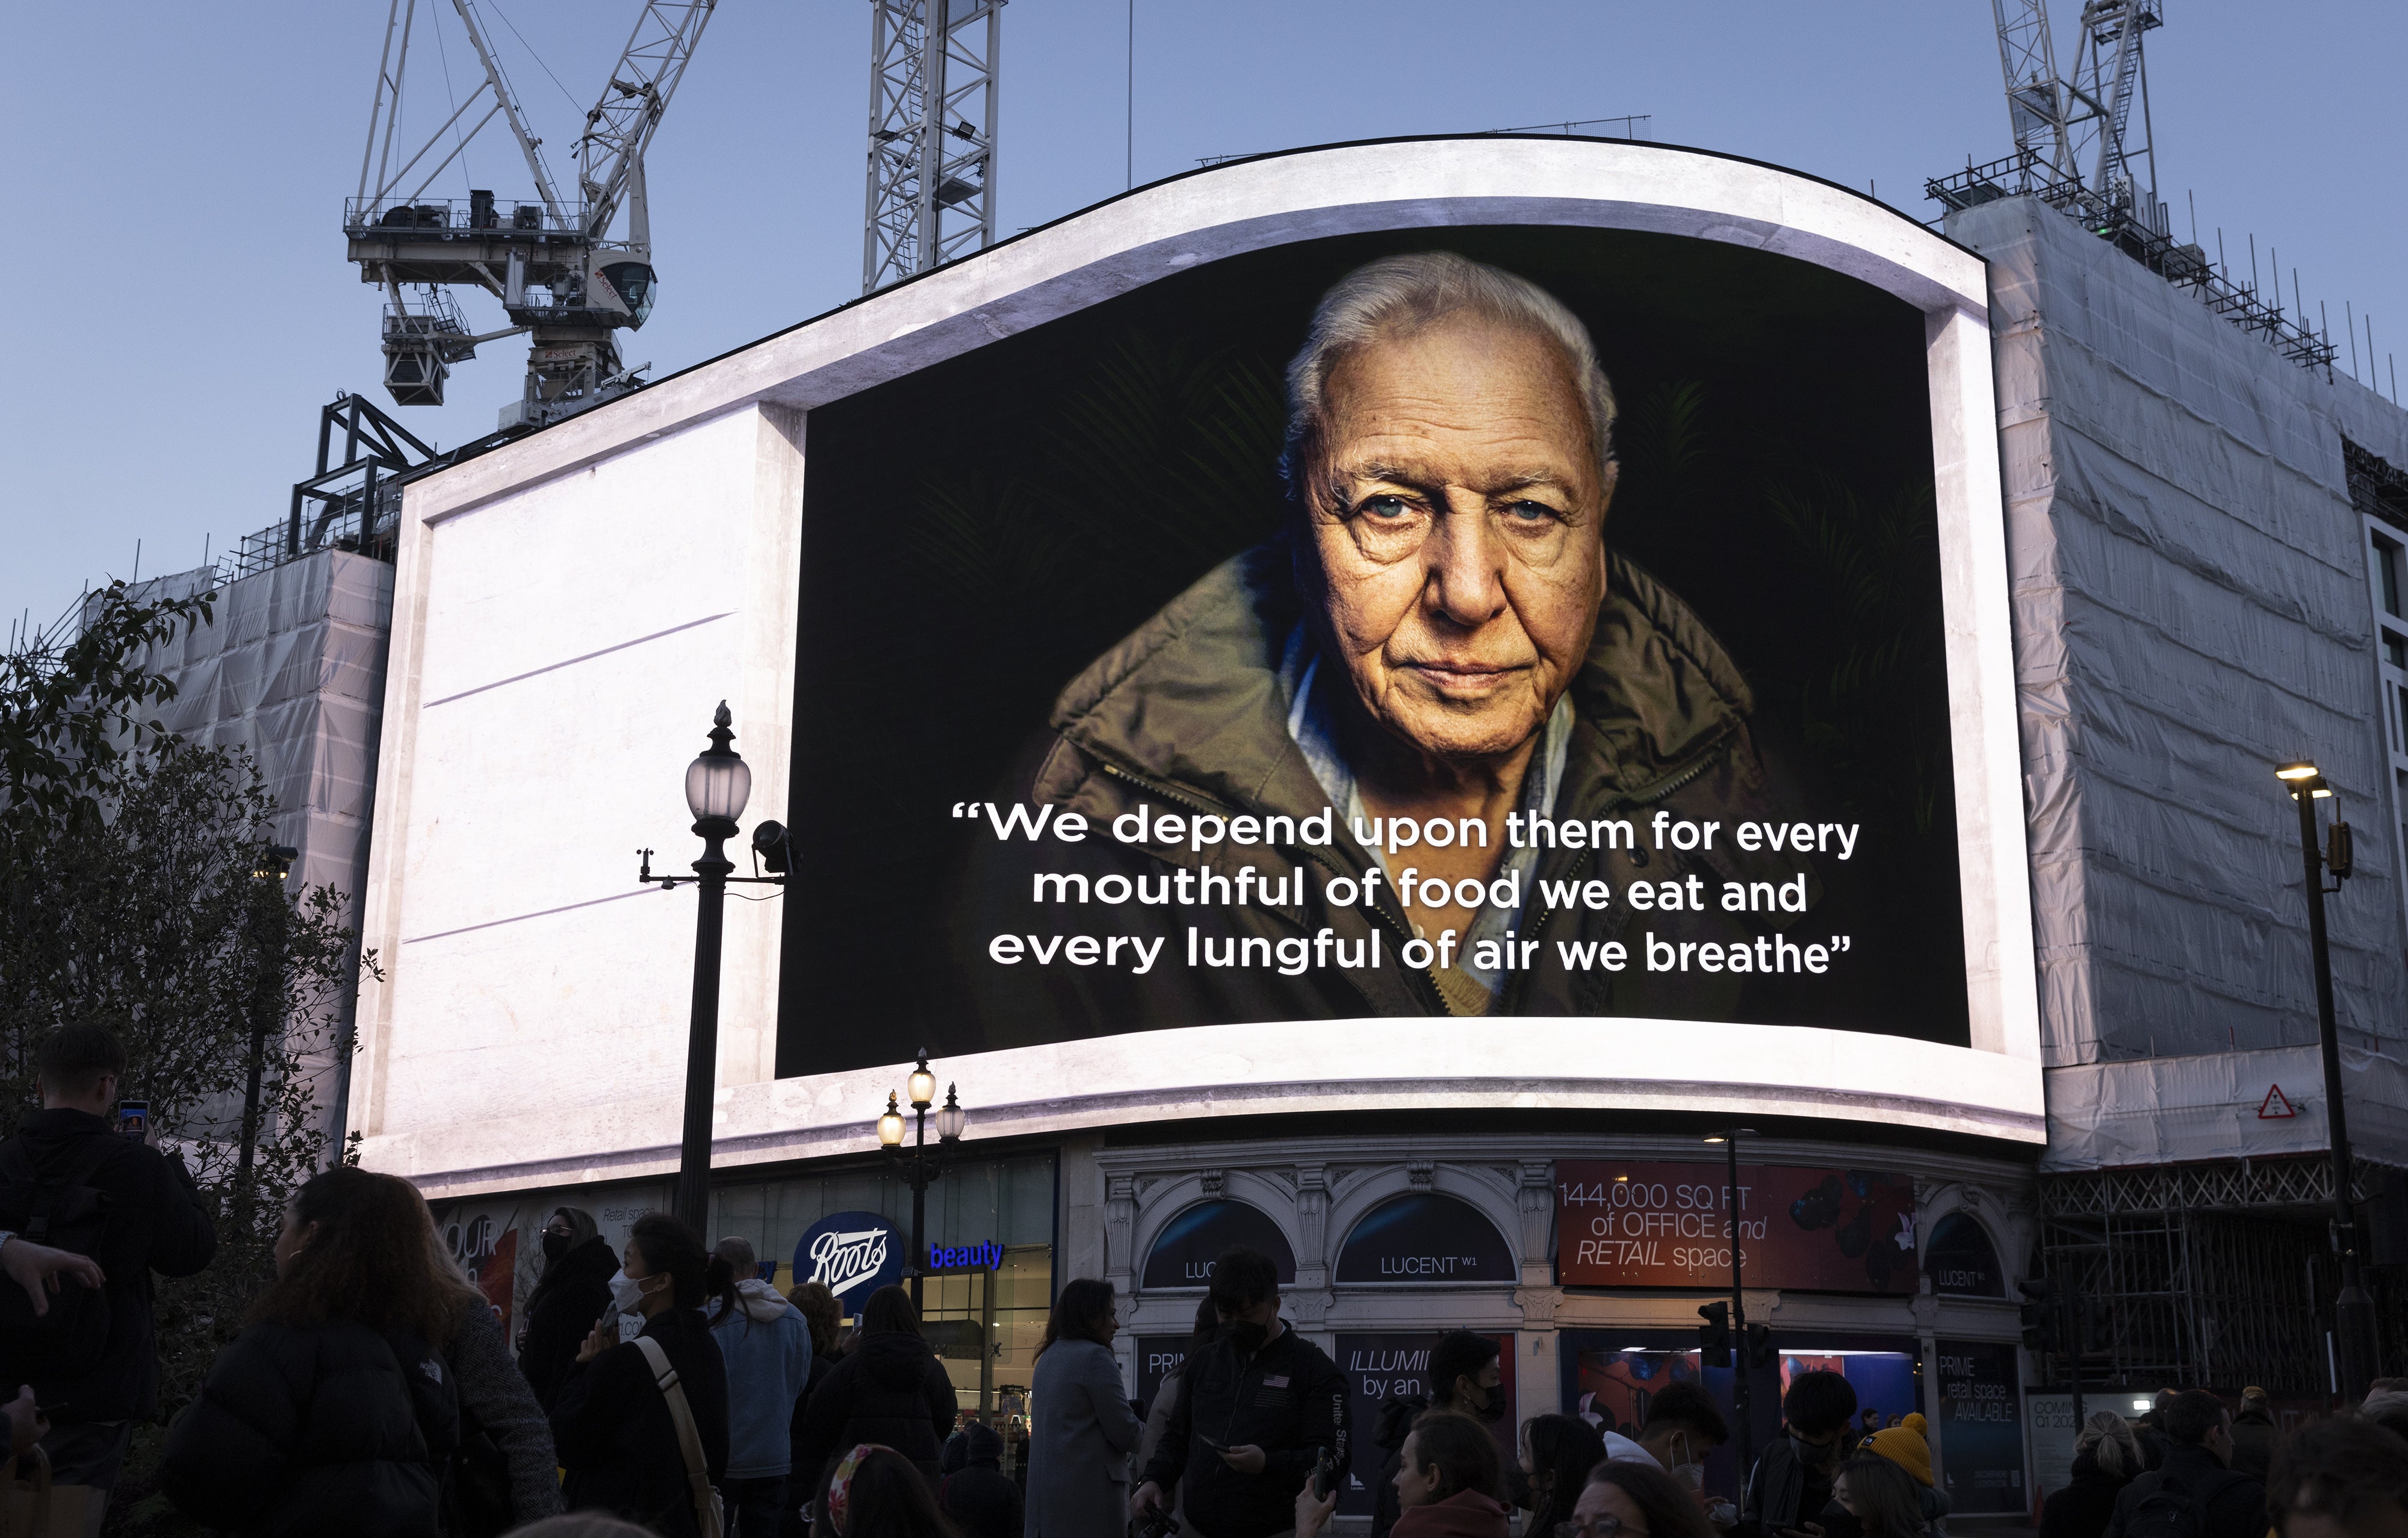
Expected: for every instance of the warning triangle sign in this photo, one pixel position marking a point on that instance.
(2276, 1106)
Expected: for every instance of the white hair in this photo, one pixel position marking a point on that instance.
(1407, 293)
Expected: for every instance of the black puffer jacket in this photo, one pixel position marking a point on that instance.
(890, 1388)
(571, 1294)
(156, 1222)
(335, 1428)
(611, 1423)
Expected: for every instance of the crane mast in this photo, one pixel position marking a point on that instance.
(932, 126)
(2075, 131)
(562, 279)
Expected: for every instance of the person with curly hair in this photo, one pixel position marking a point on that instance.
(2344, 1478)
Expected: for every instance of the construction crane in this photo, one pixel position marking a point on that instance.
(932, 122)
(2077, 130)
(562, 277)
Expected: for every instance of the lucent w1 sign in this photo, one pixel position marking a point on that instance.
(1671, 1225)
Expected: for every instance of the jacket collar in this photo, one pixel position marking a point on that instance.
(1192, 700)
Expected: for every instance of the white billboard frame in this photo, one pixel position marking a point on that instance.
(425, 888)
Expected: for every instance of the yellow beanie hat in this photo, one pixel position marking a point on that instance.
(1915, 1423)
(1903, 1445)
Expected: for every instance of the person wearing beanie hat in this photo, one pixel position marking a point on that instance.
(1915, 1423)
(1904, 1446)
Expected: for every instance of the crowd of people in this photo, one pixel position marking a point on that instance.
(664, 1388)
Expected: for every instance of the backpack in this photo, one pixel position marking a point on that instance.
(64, 1211)
(2162, 1509)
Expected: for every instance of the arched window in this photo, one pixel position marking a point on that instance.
(1961, 1261)
(1424, 1237)
(1184, 1250)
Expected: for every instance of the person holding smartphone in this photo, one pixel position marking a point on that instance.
(1791, 1488)
(1257, 1409)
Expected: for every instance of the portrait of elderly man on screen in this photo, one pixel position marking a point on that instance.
(1437, 721)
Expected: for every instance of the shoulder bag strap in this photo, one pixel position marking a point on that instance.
(697, 1469)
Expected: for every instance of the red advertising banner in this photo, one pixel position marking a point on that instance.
(1637, 1225)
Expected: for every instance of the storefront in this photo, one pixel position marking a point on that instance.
(1587, 1259)
(991, 1225)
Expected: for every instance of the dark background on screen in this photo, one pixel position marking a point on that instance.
(974, 535)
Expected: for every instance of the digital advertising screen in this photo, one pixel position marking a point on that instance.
(1502, 621)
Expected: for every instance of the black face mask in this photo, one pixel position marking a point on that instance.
(1246, 1335)
(555, 1246)
(1492, 1407)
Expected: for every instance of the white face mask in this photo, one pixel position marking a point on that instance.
(627, 1292)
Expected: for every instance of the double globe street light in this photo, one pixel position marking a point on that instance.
(923, 1167)
(717, 785)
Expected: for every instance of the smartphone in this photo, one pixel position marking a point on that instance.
(1324, 1474)
(1216, 1447)
(134, 1120)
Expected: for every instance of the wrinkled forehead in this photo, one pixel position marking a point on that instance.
(1486, 363)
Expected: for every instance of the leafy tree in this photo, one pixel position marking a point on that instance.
(142, 891)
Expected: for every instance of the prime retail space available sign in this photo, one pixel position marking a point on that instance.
(1661, 1225)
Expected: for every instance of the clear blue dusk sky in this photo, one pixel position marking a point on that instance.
(179, 307)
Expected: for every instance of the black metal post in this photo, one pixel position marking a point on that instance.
(268, 932)
(2352, 1313)
(919, 1200)
(1747, 1431)
(692, 1203)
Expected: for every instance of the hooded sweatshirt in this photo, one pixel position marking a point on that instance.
(891, 1390)
(767, 1344)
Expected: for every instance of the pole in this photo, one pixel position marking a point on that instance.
(1739, 1329)
(692, 1203)
(2352, 1315)
(918, 1199)
(269, 929)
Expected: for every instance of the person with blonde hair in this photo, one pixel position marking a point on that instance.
(2106, 1457)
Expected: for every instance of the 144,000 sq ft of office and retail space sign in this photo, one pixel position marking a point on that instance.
(1669, 1224)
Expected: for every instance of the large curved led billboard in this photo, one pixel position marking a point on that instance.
(1530, 613)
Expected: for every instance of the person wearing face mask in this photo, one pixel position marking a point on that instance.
(573, 1288)
(1684, 1425)
(1258, 1407)
(1791, 1488)
(612, 1417)
(1467, 1377)
(1557, 1454)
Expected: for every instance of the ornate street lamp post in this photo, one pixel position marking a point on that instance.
(922, 1168)
(717, 784)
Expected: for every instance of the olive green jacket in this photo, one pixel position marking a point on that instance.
(1188, 714)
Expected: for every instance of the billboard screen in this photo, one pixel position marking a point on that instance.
(1646, 1225)
(1502, 620)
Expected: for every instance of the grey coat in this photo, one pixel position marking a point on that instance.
(1079, 1435)
(492, 1390)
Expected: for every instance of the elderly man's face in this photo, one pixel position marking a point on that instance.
(1458, 512)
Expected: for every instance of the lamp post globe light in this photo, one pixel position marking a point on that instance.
(921, 1168)
(2353, 1311)
(717, 784)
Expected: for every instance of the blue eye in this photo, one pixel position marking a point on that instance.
(1385, 507)
(1529, 511)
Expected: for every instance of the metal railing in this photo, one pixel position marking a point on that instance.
(459, 215)
(2024, 174)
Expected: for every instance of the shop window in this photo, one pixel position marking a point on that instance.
(1184, 1250)
(1961, 1261)
(1422, 1238)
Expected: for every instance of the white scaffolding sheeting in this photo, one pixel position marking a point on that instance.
(292, 666)
(2191, 608)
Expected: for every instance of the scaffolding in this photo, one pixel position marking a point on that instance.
(2203, 1276)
